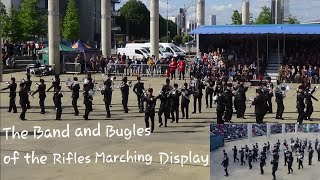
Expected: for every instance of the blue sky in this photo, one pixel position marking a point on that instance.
(304, 10)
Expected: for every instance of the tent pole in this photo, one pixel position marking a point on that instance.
(278, 50)
(267, 47)
(258, 62)
(284, 45)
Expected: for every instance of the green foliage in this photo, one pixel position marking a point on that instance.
(164, 39)
(71, 25)
(265, 16)
(293, 20)
(177, 40)
(12, 28)
(187, 38)
(33, 20)
(236, 18)
(138, 17)
(3, 14)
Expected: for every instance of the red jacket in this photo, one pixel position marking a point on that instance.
(181, 66)
(173, 66)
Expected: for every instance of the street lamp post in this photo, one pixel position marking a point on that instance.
(167, 22)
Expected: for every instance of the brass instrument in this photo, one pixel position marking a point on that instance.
(283, 88)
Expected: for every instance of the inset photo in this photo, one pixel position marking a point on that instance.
(265, 151)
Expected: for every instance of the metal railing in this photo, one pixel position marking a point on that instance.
(73, 68)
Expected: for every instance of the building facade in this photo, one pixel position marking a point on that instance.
(213, 20)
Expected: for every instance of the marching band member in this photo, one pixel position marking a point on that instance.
(28, 84)
(57, 99)
(87, 101)
(279, 100)
(220, 107)
(209, 91)
(185, 100)
(300, 104)
(124, 87)
(75, 87)
(138, 90)
(228, 100)
(260, 109)
(269, 94)
(163, 109)
(150, 108)
(12, 86)
(197, 94)
(42, 95)
(55, 85)
(309, 97)
(23, 94)
(174, 103)
(112, 85)
(241, 98)
(107, 94)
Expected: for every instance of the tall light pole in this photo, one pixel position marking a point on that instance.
(167, 22)
(54, 35)
(154, 28)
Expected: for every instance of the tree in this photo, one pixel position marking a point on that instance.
(71, 25)
(177, 40)
(33, 20)
(12, 27)
(187, 38)
(293, 20)
(265, 16)
(236, 18)
(3, 14)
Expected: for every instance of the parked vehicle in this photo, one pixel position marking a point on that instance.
(162, 52)
(133, 53)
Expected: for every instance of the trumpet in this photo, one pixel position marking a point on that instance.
(9, 83)
(37, 84)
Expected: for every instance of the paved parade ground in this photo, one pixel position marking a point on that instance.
(187, 135)
(236, 171)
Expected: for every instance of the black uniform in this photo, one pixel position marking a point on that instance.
(241, 98)
(12, 95)
(138, 90)
(125, 95)
(279, 101)
(28, 84)
(260, 109)
(262, 162)
(57, 99)
(75, 96)
(269, 96)
(250, 160)
(318, 151)
(290, 161)
(174, 105)
(310, 156)
(185, 101)
(197, 95)
(242, 156)
(309, 109)
(42, 96)
(87, 101)
(228, 101)
(55, 85)
(300, 160)
(209, 92)
(235, 154)
(275, 165)
(23, 94)
(300, 107)
(107, 93)
(163, 109)
(150, 111)
(220, 108)
(225, 164)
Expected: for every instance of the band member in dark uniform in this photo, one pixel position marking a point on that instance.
(55, 85)
(174, 104)
(87, 101)
(124, 87)
(220, 107)
(42, 95)
(235, 92)
(23, 94)
(279, 100)
(290, 161)
(269, 94)
(185, 100)
(197, 95)
(241, 98)
(12, 86)
(300, 159)
(112, 85)
(275, 165)
(209, 91)
(300, 104)
(262, 162)
(57, 99)
(28, 84)
(250, 158)
(260, 109)
(225, 164)
(163, 109)
(242, 156)
(309, 97)
(318, 151)
(107, 93)
(235, 154)
(75, 87)
(228, 101)
(150, 109)
(310, 156)
(138, 90)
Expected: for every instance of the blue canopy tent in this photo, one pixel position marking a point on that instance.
(278, 30)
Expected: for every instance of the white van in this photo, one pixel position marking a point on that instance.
(162, 52)
(133, 53)
(175, 50)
